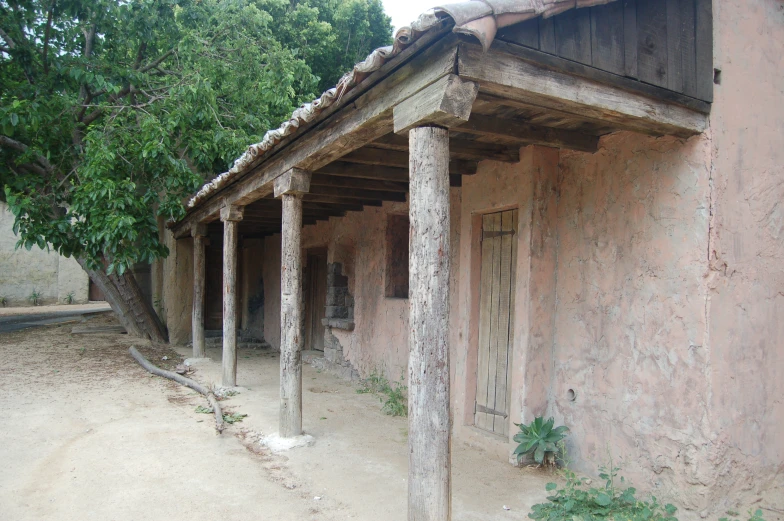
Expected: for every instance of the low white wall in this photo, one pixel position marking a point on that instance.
(22, 271)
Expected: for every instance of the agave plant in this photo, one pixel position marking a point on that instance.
(539, 437)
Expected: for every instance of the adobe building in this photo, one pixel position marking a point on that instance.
(536, 207)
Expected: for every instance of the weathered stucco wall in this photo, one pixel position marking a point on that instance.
(177, 304)
(23, 271)
(630, 333)
(746, 277)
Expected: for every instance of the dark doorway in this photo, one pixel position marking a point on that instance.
(213, 287)
(315, 300)
(95, 292)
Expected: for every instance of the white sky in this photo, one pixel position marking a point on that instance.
(403, 12)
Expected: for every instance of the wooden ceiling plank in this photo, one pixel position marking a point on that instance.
(377, 156)
(529, 134)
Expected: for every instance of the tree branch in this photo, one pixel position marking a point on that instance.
(7, 142)
(154, 65)
(8, 40)
(46, 36)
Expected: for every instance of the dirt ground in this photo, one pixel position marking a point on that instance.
(87, 434)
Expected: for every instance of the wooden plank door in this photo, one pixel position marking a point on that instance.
(496, 312)
(315, 301)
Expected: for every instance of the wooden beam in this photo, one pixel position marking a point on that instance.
(379, 172)
(231, 216)
(336, 181)
(198, 232)
(508, 75)
(458, 149)
(331, 199)
(444, 103)
(352, 193)
(351, 127)
(291, 317)
(274, 205)
(293, 181)
(526, 134)
(376, 156)
(429, 422)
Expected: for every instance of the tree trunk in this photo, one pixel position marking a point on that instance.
(123, 294)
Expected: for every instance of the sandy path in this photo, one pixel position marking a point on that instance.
(87, 434)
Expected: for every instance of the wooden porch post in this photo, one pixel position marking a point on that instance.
(424, 117)
(231, 216)
(198, 232)
(290, 187)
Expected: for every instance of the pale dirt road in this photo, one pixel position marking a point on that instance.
(86, 434)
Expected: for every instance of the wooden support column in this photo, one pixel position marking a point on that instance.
(290, 187)
(231, 217)
(445, 103)
(198, 232)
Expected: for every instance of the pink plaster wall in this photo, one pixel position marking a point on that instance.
(380, 337)
(630, 333)
(670, 289)
(746, 276)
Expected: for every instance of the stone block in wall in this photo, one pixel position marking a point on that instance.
(336, 312)
(335, 277)
(337, 296)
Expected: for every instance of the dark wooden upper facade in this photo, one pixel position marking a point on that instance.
(662, 43)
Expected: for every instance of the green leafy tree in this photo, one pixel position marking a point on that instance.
(112, 112)
(330, 35)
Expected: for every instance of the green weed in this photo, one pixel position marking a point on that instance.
(394, 397)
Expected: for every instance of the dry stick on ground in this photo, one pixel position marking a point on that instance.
(182, 381)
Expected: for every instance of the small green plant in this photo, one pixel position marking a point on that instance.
(540, 438)
(204, 410)
(234, 417)
(396, 401)
(373, 383)
(35, 298)
(753, 516)
(576, 501)
(69, 298)
(3, 301)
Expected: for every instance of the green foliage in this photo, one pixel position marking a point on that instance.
(394, 397)
(3, 301)
(111, 113)
(203, 410)
(234, 417)
(576, 501)
(753, 516)
(69, 298)
(35, 297)
(330, 35)
(539, 437)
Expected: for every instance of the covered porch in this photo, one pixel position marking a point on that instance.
(411, 132)
(362, 473)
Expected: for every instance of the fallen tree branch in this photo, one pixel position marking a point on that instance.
(187, 382)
